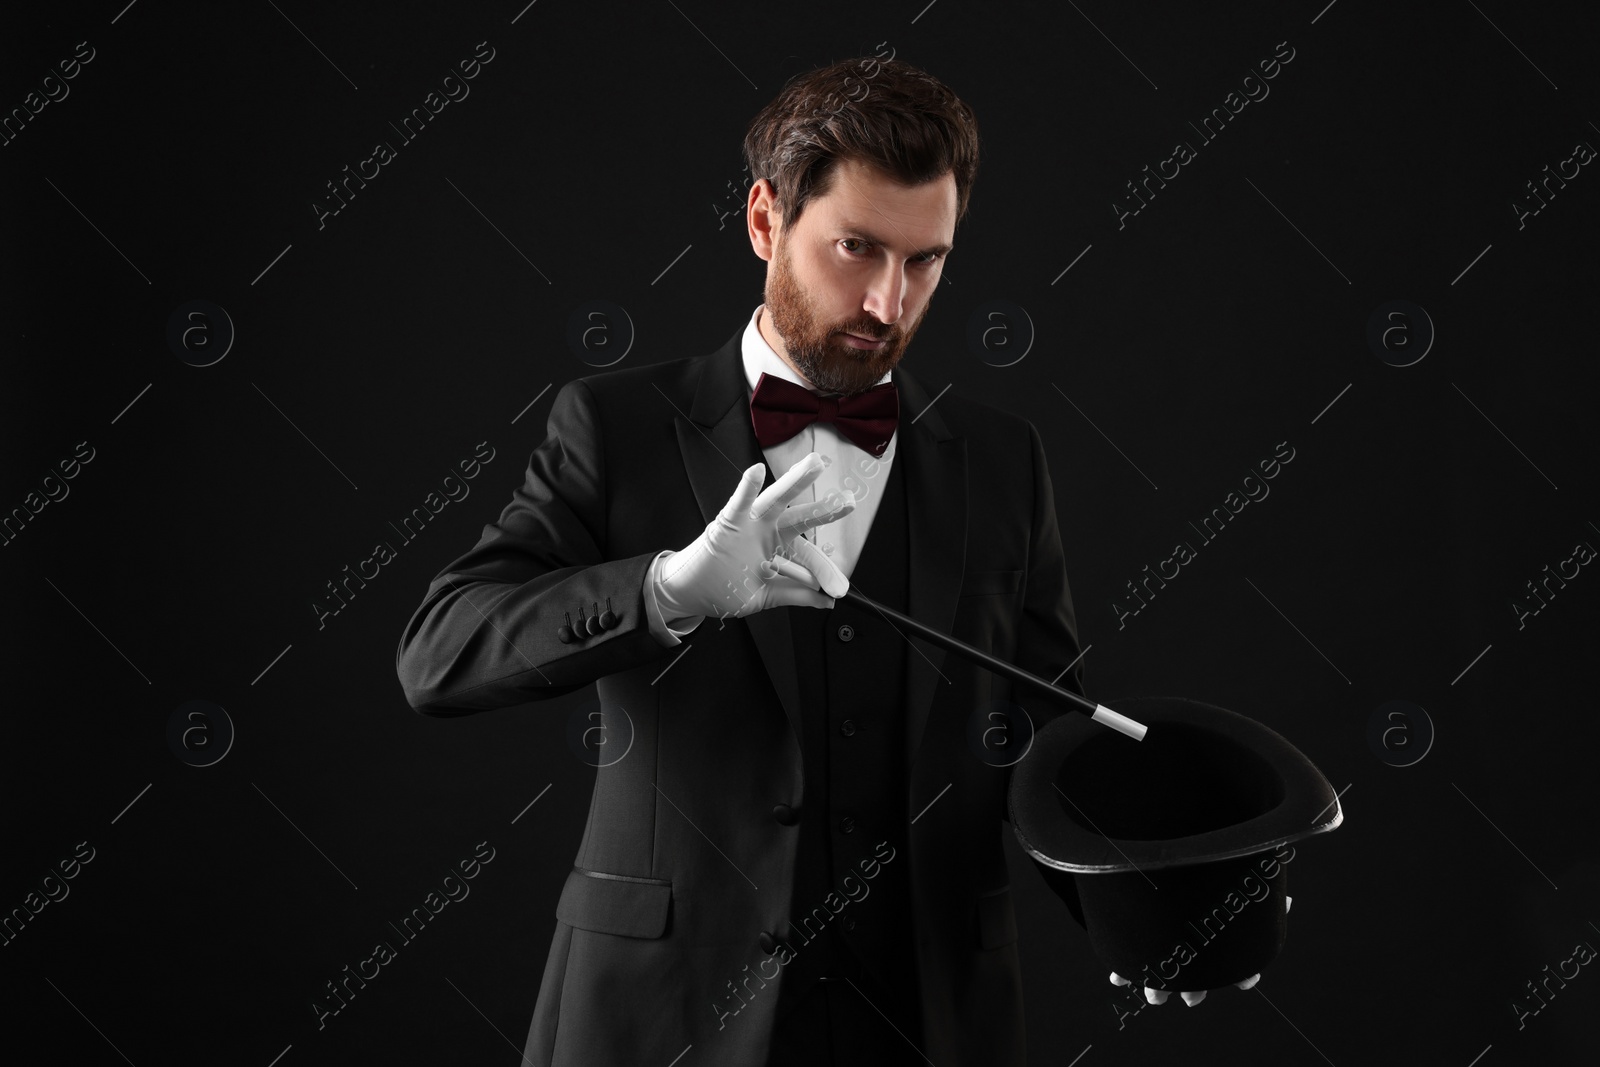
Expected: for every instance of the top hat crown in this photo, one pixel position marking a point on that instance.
(1176, 843)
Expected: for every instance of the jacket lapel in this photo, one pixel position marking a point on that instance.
(935, 472)
(717, 443)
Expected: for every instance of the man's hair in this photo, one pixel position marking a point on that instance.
(885, 113)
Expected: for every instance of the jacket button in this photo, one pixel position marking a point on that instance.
(785, 814)
(847, 632)
(847, 824)
(769, 944)
(848, 728)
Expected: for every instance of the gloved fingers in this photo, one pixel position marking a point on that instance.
(1249, 983)
(783, 591)
(1191, 999)
(819, 571)
(739, 504)
(798, 518)
(787, 487)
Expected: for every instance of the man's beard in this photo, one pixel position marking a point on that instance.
(818, 350)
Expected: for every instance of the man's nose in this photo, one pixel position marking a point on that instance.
(885, 297)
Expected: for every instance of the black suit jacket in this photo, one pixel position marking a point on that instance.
(682, 866)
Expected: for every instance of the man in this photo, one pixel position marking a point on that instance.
(799, 859)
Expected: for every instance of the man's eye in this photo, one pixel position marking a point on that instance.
(925, 260)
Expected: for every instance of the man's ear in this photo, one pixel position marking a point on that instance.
(762, 219)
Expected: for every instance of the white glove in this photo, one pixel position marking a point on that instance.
(730, 569)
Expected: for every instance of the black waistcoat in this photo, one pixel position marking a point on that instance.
(851, 668)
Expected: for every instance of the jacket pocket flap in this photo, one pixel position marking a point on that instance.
(978, 583)
(615, 904)
(997, 922)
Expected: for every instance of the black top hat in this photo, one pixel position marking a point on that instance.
(1178, 844)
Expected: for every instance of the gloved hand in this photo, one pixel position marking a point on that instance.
(730, 568)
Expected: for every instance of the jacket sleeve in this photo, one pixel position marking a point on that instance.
(1047, 638)
(486, 634)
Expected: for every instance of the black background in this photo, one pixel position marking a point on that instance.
(595, 150)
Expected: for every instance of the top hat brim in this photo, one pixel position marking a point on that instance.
(1206, 784)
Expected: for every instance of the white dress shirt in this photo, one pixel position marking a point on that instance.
(849, 470)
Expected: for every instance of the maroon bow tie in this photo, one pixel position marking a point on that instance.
(779, 409)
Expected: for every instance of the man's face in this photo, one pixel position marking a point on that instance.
(863, 260)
